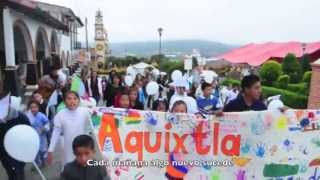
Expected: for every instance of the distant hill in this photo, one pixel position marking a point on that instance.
(172, 47)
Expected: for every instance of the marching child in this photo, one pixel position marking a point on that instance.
(81, 167)
(40, 123)
(69, 122)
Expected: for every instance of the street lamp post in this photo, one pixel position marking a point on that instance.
(160, 30)
(304, 46)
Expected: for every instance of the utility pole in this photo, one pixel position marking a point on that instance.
(87, 43)
(160, 30)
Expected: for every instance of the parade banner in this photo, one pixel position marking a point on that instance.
(239, 146)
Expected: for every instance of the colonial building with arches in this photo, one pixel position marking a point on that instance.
(30, 33)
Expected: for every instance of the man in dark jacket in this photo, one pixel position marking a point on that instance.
(250, 97)
(9, 118)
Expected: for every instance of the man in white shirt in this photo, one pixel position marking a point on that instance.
(180, 94)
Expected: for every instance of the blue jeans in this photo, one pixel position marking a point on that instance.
(41, 158)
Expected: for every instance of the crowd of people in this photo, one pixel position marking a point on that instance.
(71, 123)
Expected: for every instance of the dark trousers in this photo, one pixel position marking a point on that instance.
(97, 98)
(14, 169)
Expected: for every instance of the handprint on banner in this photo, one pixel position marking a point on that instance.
(288, 145)
(172, 118)
(108, 146)
(273, 150)
(260, 150)
(257, 126)
(150, 119)
(241, 175)
(245, 147)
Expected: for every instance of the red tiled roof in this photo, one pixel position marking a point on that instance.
(257, 54)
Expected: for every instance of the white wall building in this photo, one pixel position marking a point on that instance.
(30, 32)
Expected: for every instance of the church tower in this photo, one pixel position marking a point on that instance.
(101, 39)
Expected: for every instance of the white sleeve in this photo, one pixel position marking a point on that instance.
(47, 127)
(172, 101)
(193, 106)
(54, 138)
(88, 122)
(57, 130)
(100, 87)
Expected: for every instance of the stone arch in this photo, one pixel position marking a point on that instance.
(63, 59)
(42, 49)
(54, 42)
(68, 59)
(24, 53)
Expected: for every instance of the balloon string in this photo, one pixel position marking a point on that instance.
(39, 171)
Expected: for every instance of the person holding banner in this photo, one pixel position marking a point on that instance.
(207, 103)
(179, 107)
(112, 90)
(134, 100)
(181, 86)
(160, 105)
(249, 98)
(123, 101)
(10, 117)
(72, 121)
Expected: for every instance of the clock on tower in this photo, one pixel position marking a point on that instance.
(99, 34)
(101, 38)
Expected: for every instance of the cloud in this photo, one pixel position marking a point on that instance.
(232, 21)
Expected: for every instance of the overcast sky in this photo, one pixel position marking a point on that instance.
(228, 21)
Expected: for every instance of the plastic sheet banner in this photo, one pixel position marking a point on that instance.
(239, 146)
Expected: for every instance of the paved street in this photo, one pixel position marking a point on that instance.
(50, 172)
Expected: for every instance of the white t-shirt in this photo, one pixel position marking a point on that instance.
(71, 124)
(191, 102)
(4, 104)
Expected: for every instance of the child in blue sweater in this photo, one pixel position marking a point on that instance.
(207, 103)
(40, 123)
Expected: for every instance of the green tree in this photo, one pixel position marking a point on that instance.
(170, 66)
(283, 81)
(292, 67)
(307, 77)
(158, 58)
(305, 63)
(270, 71)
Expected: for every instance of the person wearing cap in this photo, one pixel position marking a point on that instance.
(181, 86)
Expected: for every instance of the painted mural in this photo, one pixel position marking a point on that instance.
(241, 146)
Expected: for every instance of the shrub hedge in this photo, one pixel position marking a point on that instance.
(290, 99)
(283, 81)
(307, 76)
(270, 71)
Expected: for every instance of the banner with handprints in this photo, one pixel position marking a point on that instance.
(240, 146)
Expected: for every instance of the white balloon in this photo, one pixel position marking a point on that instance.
(131, 71)
(163, 73)
(176, 75)
(275, 104)
(128, 80)
(156, 72)
(22, 143)
(152, 88)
